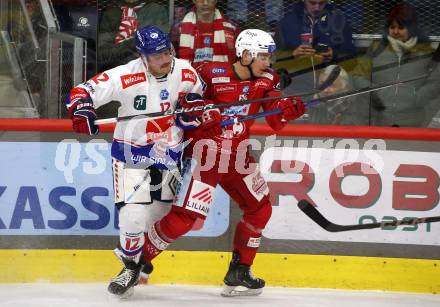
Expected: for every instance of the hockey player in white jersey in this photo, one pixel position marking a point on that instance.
(145, 151)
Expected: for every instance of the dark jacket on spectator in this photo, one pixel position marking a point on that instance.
(331, 28)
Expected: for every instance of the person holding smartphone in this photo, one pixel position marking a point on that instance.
(315, 27)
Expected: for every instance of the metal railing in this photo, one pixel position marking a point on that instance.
(49, 62)
(16, 100)
(72, 59)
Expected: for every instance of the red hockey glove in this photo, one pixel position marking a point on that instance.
(83, 121)
(82, 112)
(191, 101)
(291, 107)
(191, 119)
(211, 124)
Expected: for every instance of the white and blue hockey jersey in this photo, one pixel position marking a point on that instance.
(151, 141)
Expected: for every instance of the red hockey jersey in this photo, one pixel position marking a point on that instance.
(223, 86)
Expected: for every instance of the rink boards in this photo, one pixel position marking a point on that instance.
(58, 223)
(208, 268)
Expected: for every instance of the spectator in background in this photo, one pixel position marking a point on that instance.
(80, 19)
(313, 34)
(316, 28)
(179, 14)
(206, 36)
(334, 80)
(432, 97)
(237, 10)
(120, 20)
(404, 53)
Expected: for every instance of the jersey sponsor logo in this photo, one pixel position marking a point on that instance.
(254, 242)
(200, 198)
(262, 83)
(205, 196)
(236, 110)
(140, 102)
(164, 94)
(256, 185)
(203, 54)
(159, 137)
(198, 207)
(132, 79)
(189, 75)
(161, 130)
(267, 75)
(221, 80)
(218, 70)
(259, 185)
(225, 88)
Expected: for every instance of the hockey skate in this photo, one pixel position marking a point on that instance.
(239, 280)
(145, 272)
(122, 285)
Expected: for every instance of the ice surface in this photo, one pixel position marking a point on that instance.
(95, 295)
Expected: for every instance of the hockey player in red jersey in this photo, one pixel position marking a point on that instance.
(220, 156)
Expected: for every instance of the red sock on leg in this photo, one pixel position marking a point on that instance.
(248, 232)
(246, 243)
(162, 233)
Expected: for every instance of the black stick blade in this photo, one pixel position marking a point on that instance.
(319, 219)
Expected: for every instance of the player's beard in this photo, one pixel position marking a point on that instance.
(161, 70)
(165, 66)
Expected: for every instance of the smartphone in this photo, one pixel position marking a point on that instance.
(321, 48)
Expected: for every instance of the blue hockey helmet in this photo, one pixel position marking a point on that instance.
(151, 40)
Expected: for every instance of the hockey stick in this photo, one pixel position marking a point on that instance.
(331, 78)
(309, 103)
(188, 110)
(314, 102)
(328, 82)
(319, 219)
